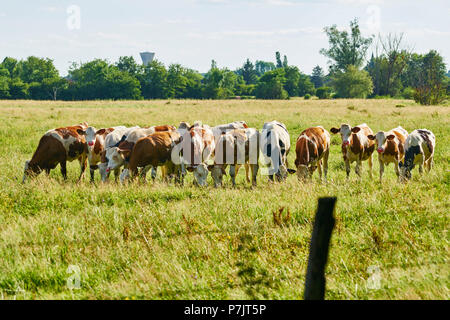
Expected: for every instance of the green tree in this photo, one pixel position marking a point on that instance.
(353, 83)
(4, 83)
(129, 65)
(262, 67)
(346, 49)
(387, 68)
(292, 76)
(317, 77)
(305, 86)
(278, 59)
(431, 88)
(248, 72)
(219, 83)
(154, 81)
(271, 85)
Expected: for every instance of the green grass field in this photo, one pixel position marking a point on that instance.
(158, 241)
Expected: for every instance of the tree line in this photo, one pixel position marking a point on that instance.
(393, 70)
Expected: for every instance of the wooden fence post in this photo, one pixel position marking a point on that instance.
(318, 250)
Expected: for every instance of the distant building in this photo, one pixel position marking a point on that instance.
(147, 57)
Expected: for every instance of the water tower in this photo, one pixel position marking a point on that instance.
(147, 57)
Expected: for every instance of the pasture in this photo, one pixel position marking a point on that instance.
(159, 241)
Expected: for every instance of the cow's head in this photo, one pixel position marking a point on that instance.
(91, 135)
(405, 171)
(381, 139)
(303, 172)
(346, 132)
(116, 157)
(125, 176)
(217, 173)
(102, 167)
(200, 174)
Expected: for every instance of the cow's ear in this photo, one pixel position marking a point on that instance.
(101, 131)
(390, 137)
(81, 132)
(335, 130)
(356, 129)
(292, 171)
(371, 137)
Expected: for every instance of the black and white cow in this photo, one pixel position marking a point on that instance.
(275, 145)
(419, 150)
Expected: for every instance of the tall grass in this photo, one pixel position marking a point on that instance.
(159, 241)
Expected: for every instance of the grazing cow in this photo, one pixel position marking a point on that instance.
(153, 150)
(236, 148)
(275, 145)
(356, 146)
(95, 140)
(313, 146)
(390, 148)
(116, 159)
(57, 146)
(111, 140)
(419, 149)
(197, 146)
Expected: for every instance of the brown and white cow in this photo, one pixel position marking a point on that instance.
(197, 149)
(390, 148)
(312, 148)
(236, 148)
(120, 155)
(153, 150)
(95, 140)
(356, 146)
(57, 146)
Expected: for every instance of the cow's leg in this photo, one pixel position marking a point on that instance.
(247, 169)
(92, 171)
(358, 167)
(116, 174)
(347, 168)
(325, 164)
(63, 165)
(47, 171)
(421, 168)
(233, 172)
(143, 175)
(370, 166)
(83, 165)
(319, 169)
(254, 168)
(154, 172)
(382, 170)
(397, 169)
(429, 164)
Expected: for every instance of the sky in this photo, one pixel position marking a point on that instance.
(193, 32)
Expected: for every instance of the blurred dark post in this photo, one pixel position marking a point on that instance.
(318, 250)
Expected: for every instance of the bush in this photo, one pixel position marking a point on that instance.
(307, 96)
(408, 93)
(323, 92)
(353, 83)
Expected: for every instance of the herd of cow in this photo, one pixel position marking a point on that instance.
(201, 149)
